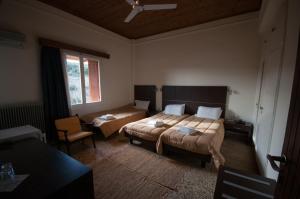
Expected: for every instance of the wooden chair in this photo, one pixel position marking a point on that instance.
(69, 130)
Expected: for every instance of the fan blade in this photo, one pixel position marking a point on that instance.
(133, 13)
(160, 7)
(130, 2)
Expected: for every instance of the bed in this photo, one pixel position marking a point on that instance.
(147, 133)
(207, 142)
(124, 114)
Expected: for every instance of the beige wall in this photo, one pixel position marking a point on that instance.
(20, 69)
(225, 52)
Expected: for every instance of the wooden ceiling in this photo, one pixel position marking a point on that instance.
(110, 14)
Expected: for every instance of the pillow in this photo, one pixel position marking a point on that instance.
(140, 104)
(175, 109)
(209, 112)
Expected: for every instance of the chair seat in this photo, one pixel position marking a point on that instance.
(77, 136)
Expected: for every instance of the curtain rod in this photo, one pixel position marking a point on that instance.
(57, 44)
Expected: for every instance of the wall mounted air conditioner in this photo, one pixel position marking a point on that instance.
(13, 39)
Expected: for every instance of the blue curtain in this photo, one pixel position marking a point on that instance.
(54, 90)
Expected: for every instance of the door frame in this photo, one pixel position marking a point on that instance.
(291, 130)
(281, 11)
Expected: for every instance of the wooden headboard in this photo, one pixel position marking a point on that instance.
(194, 96)
(146, 92)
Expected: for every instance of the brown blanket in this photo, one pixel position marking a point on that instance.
(207, 140)
(123, 115)
(146, 131)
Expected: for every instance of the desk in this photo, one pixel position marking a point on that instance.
(53, 174)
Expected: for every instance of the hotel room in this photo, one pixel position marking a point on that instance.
(149, 99)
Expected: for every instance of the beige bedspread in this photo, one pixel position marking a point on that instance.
(207, 141)
(123, 115)
(149, 132)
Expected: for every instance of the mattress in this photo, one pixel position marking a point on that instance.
(207, 140)
(149, 132)
(123, 115)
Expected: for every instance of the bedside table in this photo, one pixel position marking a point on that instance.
(242, 130)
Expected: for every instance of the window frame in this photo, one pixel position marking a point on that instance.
(81, 56)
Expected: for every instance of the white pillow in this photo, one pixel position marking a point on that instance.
(175, 109)
(140, 104)
(209, 112)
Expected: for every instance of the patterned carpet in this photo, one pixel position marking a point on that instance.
(123, 171)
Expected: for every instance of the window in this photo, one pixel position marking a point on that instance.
(83, 79)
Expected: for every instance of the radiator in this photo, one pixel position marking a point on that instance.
(14, 115)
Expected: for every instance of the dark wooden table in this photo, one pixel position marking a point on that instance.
(235, 184)
(53, 174)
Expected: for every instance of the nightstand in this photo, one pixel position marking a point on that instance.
(242, 130)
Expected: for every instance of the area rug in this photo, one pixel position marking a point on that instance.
(122, 170)
(134, 172)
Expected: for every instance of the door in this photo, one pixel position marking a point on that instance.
(268, 93)
(288, 185)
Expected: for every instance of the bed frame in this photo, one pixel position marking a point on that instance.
(148, 93)
(192, 97)
(141, 92)
(145, 92)
(151, 145)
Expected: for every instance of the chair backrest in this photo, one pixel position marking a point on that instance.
(71, 124)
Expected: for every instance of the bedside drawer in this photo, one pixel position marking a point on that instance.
(244, 129)
(238, 129)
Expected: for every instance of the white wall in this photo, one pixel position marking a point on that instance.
(286, 82)
(20, 69)
(271, 15)
(224, 52)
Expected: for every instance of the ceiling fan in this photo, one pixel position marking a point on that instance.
(137, 8)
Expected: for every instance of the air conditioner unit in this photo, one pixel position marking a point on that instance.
(13, 39)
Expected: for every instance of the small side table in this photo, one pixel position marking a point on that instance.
(242, 130)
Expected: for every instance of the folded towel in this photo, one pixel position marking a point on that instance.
(187, 130)
(159, 124)
(156, 123)
(107, 117)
